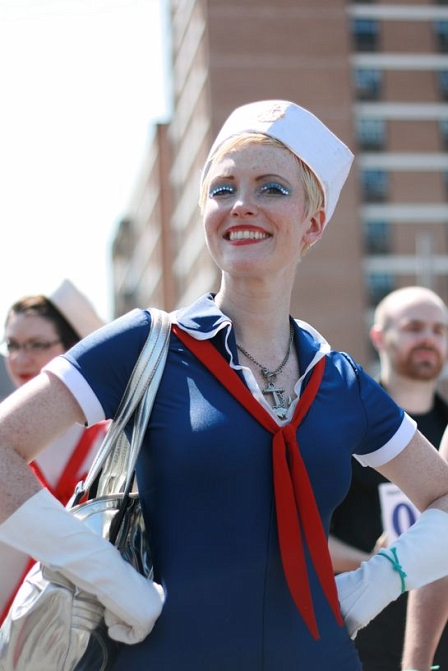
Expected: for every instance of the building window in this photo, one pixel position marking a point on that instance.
(377, 237)
(445, 182)
(442, 79)
(365, 34)
(441, 32)
(444, 133)
(378, 285)
(375, 185)
(371, 134)
(367, 83)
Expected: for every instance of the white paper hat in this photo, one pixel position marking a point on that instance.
(303, 133)
(76, 308)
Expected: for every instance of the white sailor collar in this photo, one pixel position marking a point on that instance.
(203, 320)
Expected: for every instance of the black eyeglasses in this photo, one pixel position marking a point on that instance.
(31, 346)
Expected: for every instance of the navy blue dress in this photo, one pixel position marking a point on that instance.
(205, 480)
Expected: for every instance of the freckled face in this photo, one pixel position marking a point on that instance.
(254, 215)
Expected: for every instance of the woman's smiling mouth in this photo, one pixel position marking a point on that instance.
(235, 236)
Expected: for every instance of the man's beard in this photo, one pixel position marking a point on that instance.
(420, 370)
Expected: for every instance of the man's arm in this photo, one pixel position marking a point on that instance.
(426, 618)
(427, 614)
(345, 557)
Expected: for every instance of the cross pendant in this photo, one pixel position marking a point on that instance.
(280, 406)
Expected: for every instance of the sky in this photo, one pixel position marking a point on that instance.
(82, 83)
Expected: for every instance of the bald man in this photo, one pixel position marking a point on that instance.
(410, 334)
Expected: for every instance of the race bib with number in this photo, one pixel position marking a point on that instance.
(397, 511)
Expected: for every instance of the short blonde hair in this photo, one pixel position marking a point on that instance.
(314, 195)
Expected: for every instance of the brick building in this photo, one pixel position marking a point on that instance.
(377, 74)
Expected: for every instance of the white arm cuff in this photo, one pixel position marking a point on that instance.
(79, 387)
(393, 447)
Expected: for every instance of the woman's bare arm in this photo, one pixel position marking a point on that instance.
(421, 473)
(30, 418)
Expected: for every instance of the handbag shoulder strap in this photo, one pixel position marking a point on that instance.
(138, 397)
(89, 438)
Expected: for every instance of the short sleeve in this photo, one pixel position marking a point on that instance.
(103, 362)
(386, 428)
(393, 447)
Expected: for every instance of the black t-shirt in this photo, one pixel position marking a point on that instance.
(357, 521)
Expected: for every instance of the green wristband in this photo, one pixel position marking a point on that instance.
(399, 569)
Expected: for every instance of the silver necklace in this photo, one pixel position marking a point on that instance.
(280, 403)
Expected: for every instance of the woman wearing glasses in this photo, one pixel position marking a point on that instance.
(37, 329)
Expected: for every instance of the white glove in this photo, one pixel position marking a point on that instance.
(417, 557)
(45, 530)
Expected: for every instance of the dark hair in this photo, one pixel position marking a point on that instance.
(42, 307)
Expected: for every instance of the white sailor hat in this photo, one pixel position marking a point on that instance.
(76, 308)
(303, 133)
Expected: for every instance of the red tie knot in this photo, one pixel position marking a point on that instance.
(289, 433)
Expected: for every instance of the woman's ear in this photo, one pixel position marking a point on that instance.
(315, 228)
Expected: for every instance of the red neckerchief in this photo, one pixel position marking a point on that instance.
(296, 508)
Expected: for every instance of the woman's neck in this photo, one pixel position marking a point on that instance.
(264, 336)
(260, 320)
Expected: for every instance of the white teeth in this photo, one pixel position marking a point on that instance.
(247, 235)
